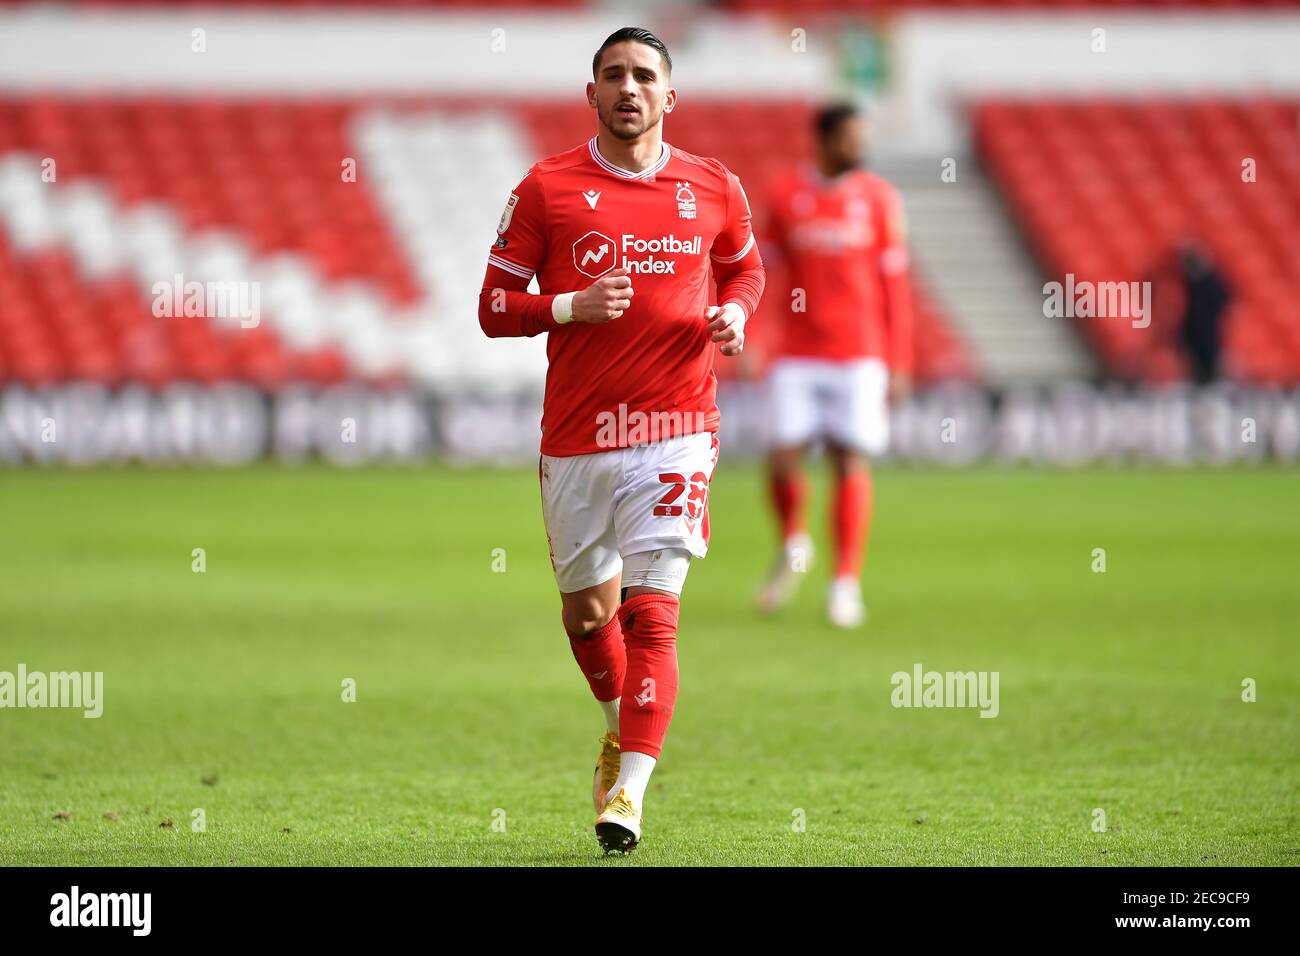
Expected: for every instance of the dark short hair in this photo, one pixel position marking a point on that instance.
(636, 35)
(831, 118)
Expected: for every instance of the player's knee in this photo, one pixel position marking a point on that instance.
(847, 460)
(586, 614)
(580, 624)
(784, 461)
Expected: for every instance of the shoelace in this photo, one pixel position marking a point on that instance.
(608, 751)
(620, 806)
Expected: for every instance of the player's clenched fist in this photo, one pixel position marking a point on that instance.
(727, 323)
(605, 299)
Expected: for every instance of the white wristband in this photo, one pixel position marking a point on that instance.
(562, 307)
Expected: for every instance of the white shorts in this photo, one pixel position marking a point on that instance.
(843, 402)
(601, 507)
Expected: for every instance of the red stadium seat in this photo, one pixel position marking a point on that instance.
(1104, 189)
(268, 171)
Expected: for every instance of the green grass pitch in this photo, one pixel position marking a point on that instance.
(473, 736)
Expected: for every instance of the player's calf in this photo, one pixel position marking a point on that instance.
(602, 658)
(792, 562)
(650, 685)
(649, 619)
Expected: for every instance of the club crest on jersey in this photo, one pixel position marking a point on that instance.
(685, 201)
(508, 214)
(595, 254)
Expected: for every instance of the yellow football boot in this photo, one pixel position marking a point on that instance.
(607, 765)
(618, 828)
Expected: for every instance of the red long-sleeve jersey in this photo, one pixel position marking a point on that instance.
(844, 241)
(575, 217)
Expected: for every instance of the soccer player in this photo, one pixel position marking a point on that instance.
(845, 345)
(621, 234)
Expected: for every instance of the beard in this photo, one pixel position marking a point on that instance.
(628, 127)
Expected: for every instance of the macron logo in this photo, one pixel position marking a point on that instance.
(592, 197)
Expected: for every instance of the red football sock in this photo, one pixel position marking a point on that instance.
(650, 687)
(789, 491)
(602, 657)
(850, 519)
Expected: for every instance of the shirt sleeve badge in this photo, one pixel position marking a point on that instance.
(508, 214)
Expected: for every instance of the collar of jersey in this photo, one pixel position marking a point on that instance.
(605, 164)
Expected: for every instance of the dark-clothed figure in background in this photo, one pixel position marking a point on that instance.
(1206, 296)
(1189, 297)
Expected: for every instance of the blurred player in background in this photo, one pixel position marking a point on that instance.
(621, 234)
(844, 347)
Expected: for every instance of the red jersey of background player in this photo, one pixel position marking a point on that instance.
(575, 217)
(844, 244)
